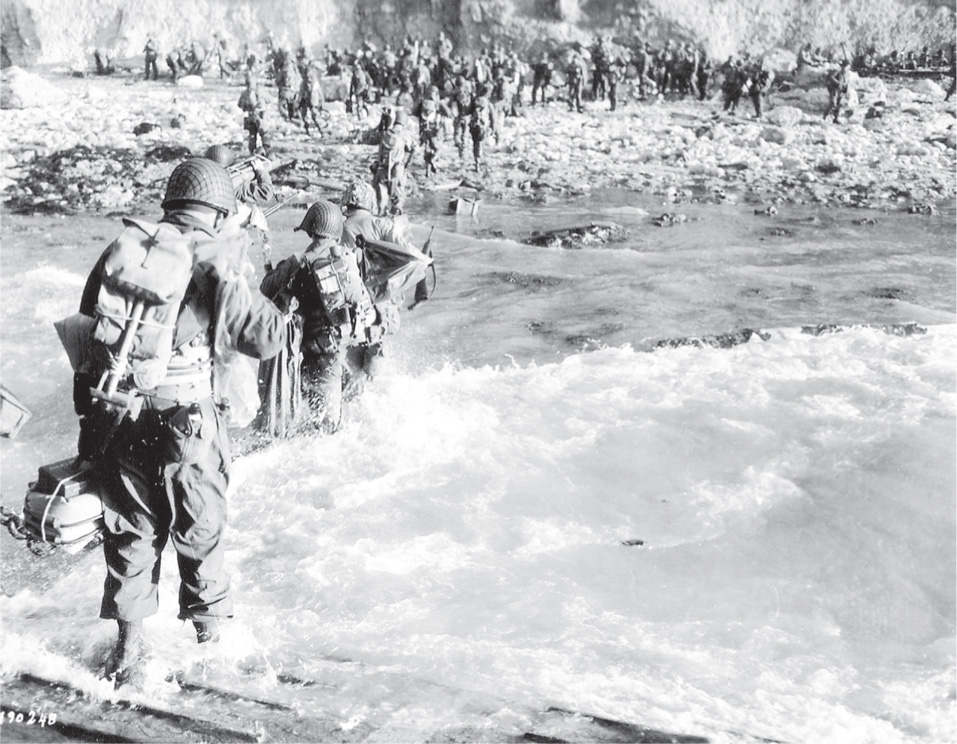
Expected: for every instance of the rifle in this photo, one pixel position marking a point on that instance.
(279, 204)
(427, 245)
(244, 171)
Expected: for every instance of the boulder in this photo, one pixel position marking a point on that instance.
(939, 123)
(777, 135)
(911, 148)
(595, 233)
(190, 81)
(871, 90)
(113, 196)
(810, 77)
(781, 61)
(143, 127)
(792, 163)
(22, 89)
(926, 88)
(810, 101)
(167, 153)
(785, 116)
(829, 166)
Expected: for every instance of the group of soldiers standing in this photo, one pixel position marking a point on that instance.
(467, 98)
(741, 78)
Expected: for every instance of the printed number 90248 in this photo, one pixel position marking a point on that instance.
(30, 718)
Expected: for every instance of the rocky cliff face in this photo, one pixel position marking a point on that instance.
(43, 31)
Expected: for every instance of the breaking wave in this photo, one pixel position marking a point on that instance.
(756, 538)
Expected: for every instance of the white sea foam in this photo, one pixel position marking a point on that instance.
(461, 541)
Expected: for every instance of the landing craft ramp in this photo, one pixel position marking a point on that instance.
(201, 710)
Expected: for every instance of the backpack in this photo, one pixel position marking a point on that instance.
(145, 275)
(328, 279)
(324, 275)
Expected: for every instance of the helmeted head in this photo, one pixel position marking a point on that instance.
(203, 182)
(358, 194)
(322, 220)
(220, 154)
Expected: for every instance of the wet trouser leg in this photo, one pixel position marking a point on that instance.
(262, 136)
(458, 135)
(322, 385)
(756, 100)
(360, 365)
(397, 194)
(304, 115)
(148, 500)
(477, 137)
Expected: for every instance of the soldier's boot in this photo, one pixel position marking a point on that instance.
(127, 661)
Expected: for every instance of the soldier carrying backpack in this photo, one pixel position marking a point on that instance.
(160, 312)
(340, 322)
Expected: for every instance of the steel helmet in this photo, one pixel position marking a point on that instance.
(322, 220)
(200, 181)
(358, 194)
(219, 154)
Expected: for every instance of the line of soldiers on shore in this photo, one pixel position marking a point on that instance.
(468, 99)
(870, 62)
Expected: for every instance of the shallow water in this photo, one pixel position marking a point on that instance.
(465, 532)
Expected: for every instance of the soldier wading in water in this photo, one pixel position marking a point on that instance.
(162, 309)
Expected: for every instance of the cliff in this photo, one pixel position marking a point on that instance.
(39, 31)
